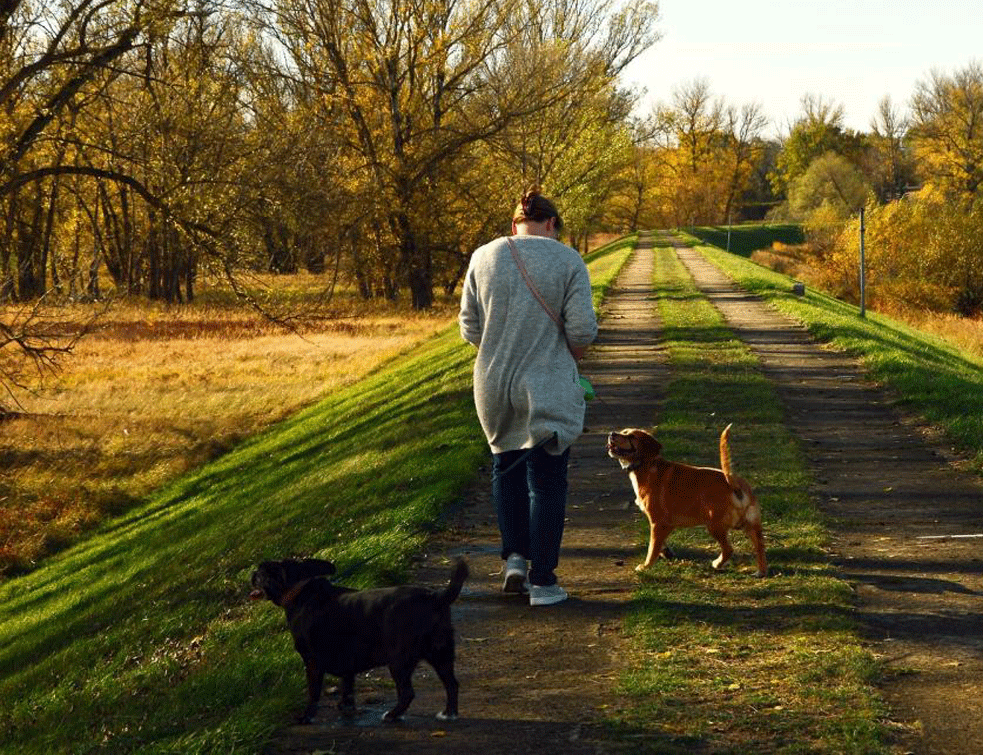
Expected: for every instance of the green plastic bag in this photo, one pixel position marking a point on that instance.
(589, 392)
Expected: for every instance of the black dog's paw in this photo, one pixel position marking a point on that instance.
(445, 716)
(391, 716)
(306, 718)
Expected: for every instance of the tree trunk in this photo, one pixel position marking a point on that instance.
(153, 258)
(49, 226)
(417, 263)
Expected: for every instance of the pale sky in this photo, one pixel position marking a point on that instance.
(852, 52)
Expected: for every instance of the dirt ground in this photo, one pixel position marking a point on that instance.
(540, 679)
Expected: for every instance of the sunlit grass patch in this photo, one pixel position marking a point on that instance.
(606, 262)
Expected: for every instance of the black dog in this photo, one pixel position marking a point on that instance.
(343, 632)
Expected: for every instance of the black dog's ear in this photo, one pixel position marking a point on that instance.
(316, 567)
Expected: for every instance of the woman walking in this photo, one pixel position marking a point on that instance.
(527, 306)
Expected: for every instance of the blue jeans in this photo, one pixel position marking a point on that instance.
(531, 502)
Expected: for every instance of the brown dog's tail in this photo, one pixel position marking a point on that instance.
(725, 457)
(460, 573)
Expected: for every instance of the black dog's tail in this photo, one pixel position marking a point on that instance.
(450, 593)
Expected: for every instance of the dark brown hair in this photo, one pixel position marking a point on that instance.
(537, 208)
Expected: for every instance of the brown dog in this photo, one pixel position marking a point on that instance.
(343, 632)
(678, 495)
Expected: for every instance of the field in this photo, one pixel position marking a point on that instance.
(749, 238)
(156, 391)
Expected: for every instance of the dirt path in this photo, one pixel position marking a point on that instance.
(900, 514)
(538, 680)
(532, 679)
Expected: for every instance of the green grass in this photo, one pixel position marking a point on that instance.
(606, 262)
(725, 662)
(745, 239)
(930, 377)
(141, 638)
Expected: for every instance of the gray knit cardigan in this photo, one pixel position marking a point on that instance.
(525, 379)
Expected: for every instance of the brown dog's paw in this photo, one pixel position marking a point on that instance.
(641, 567)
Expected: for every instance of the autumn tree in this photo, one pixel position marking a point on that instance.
(745, 148)
(830, 180)
(688, 135)
(51, 57)
(819, 129)
(633, 204)
(707, 151)
(947, 128)
(415, 88)
(889, 162)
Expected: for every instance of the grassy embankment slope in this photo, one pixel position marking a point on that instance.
(140, 639)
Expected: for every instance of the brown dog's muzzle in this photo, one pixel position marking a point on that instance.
(620, 446)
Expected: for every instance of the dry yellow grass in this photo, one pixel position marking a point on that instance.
(157, 391)
(597, 240)
(966, 333)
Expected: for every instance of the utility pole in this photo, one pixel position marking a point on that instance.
(863, 283)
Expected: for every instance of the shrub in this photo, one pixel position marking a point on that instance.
(924, 251)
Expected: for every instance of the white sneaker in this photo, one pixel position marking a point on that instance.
(515, 574)
(546, 596)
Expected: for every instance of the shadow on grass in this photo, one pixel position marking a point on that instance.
(790, 619)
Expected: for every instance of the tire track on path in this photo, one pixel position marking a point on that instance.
(897, 511)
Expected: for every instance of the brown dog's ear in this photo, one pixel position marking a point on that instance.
(649, 445)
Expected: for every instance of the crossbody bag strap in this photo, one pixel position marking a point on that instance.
(529, 283)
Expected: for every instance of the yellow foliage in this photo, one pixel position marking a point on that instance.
(925, 250)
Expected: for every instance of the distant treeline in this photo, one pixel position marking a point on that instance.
(147, 143)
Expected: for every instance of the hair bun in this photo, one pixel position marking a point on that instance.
(528, 198)
(535, 207)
